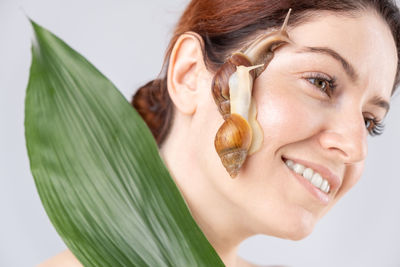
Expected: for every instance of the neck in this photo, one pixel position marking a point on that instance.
(216, 217)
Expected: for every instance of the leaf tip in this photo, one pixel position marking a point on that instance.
(35, 26)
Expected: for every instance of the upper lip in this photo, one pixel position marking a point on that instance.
(327, 174)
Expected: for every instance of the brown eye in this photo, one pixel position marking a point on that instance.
(373, 126)
(322, 84)
(369, 124)
(319, 83)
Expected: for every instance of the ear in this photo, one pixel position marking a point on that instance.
(184, 69)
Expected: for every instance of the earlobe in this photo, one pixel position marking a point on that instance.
(185, 65)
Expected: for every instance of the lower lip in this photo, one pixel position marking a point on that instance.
(318, 194)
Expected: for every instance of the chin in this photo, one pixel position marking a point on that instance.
(299, 233)
(299, 227)
(292, 227)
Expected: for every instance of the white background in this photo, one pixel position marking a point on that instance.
(126, 40)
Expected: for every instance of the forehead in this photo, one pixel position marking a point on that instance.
(363, 39)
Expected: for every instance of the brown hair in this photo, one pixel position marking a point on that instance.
(227, 25)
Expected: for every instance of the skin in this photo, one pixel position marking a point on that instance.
(299, 121)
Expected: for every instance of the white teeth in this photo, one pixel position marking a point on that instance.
(324, 185)
(308, 173)
(289, 163)
(298, 168)
(316, 180)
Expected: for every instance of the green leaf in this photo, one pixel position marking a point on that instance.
(98, 170)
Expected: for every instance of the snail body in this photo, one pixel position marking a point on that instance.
(220, 83)
(232, 91)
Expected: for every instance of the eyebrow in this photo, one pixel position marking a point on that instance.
(349, 69)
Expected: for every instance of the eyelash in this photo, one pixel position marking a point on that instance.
(376, 129)
(330, 83)
(329, 88)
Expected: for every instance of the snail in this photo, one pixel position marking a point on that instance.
(241, 134)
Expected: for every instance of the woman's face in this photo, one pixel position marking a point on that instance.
(313, 100)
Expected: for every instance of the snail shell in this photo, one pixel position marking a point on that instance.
(236, 136)
(232, 142)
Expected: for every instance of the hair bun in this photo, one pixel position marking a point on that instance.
(153, 103)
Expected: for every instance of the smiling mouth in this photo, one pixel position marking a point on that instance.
(309, 175)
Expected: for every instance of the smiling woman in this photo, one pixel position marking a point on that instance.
(319, 95)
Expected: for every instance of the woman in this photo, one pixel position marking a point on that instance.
(323, 92)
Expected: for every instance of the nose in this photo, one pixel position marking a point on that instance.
(345, 137)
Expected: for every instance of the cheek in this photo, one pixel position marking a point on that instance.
(282, 113)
